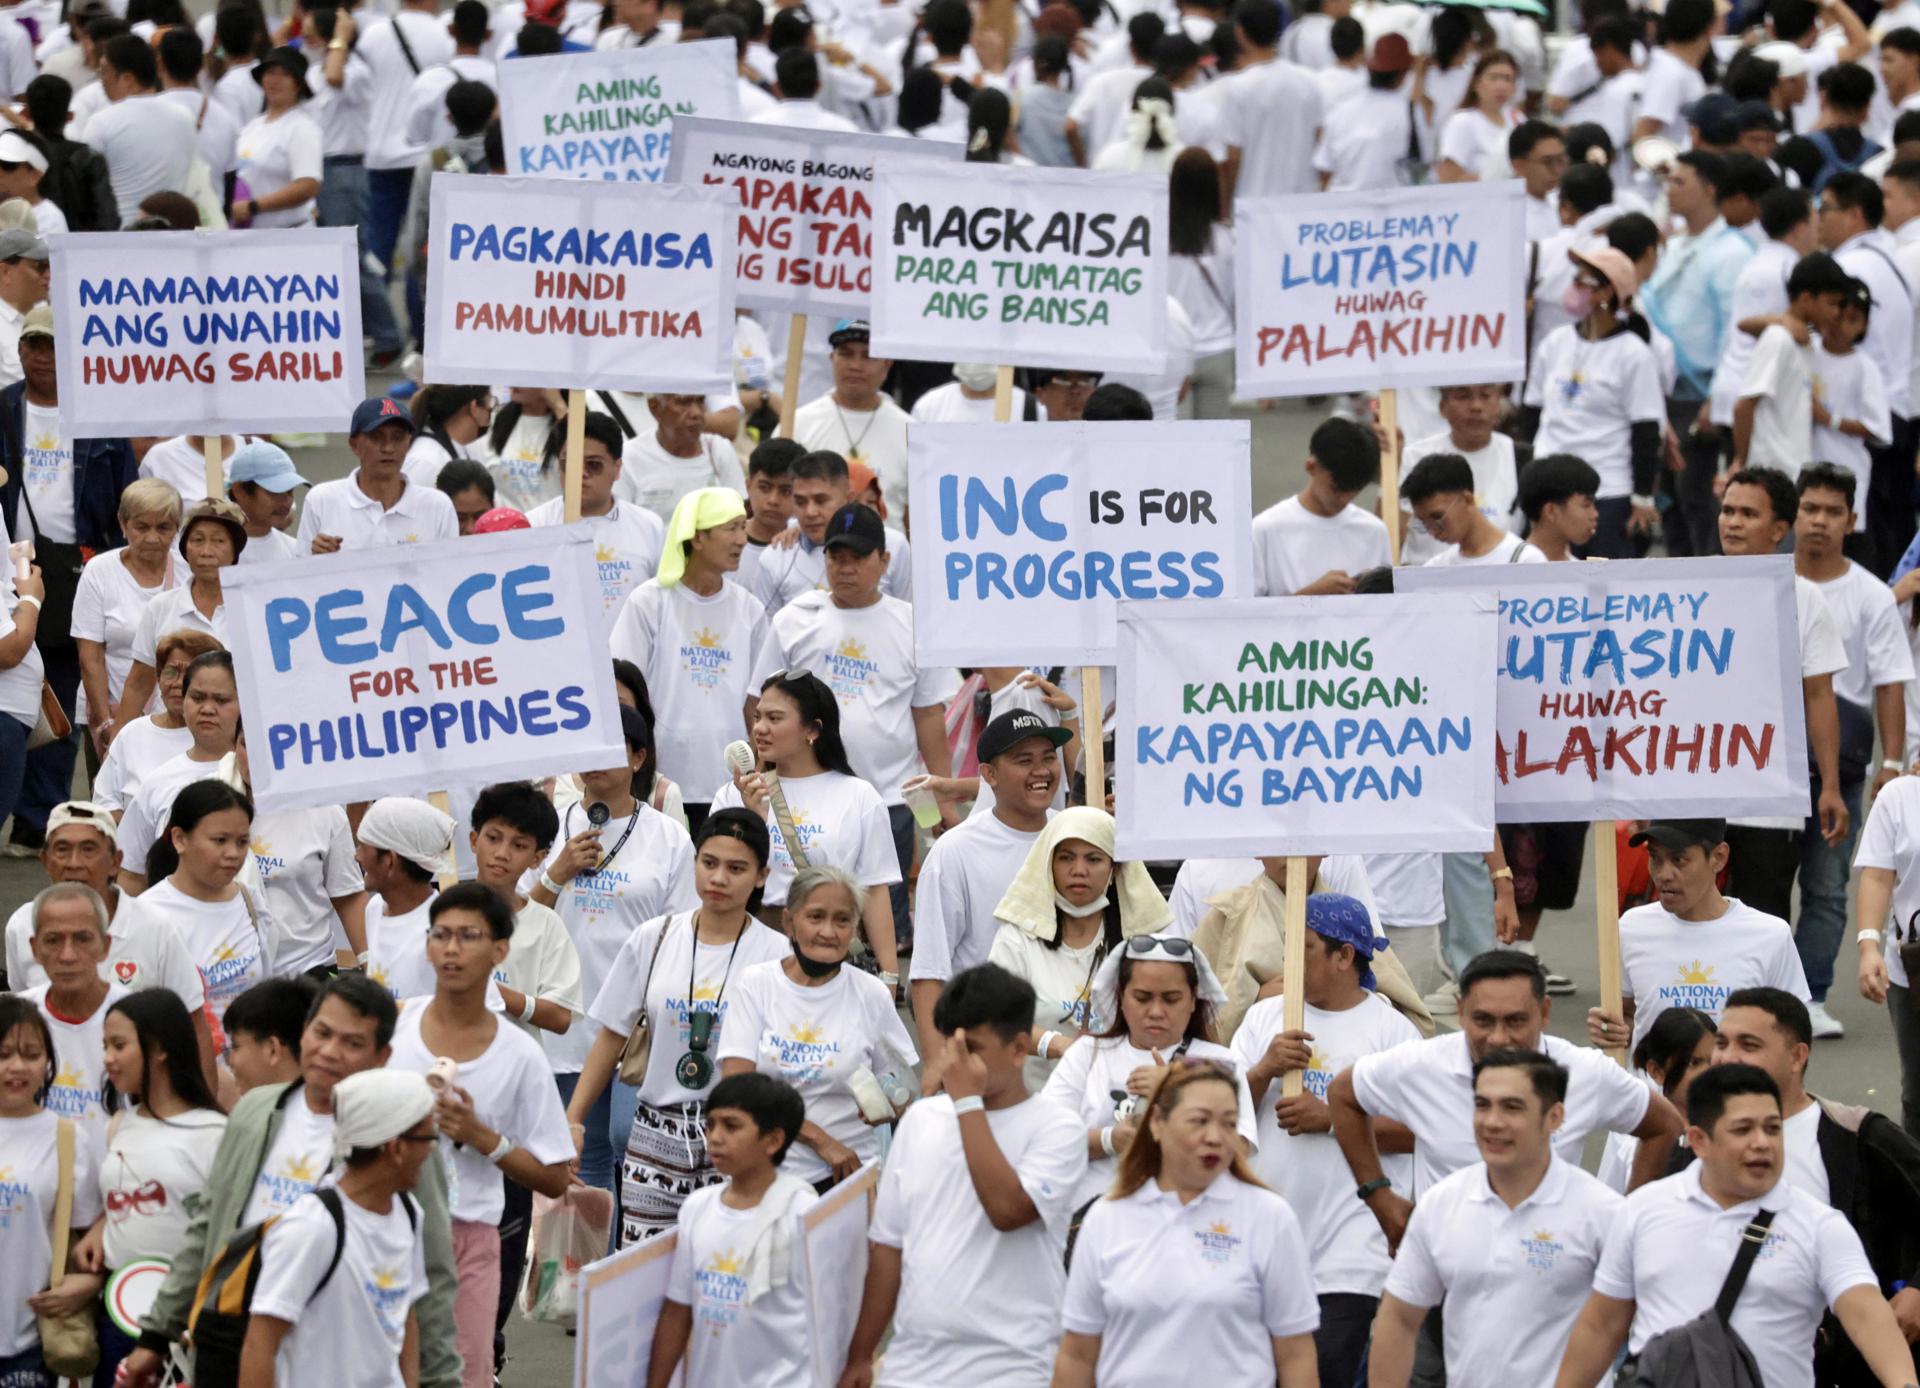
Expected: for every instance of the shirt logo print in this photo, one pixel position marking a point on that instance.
(1542, 1250)
(1218, 1242)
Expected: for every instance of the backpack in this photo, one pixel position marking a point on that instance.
(1707, 1352)
(217, 1322)
(1831, 161)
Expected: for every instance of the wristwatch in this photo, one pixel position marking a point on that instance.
(1367, 1189)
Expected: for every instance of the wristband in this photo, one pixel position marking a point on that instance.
(29, 598)
(549, 883)
(500, 1153)
(1892, 764)
(1047, 1038)
(891, 980)
(1862, 935)
(528, 1003)
(1106, 1139)
(973, 1103)
(362, 957)
(1502, 874)
(1367, 1190)
(1641, 503)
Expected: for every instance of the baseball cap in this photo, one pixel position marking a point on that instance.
(37, 323)
(86, 813)
(849, 330)
(1010, 729)
(371, 414)
(16, 148)
(1390, 54)
(17, 243)
(1716, 117)
(266, 465)
(856, 527)
(1681, 834)
(501, 518)
(1756, 115)
(546, 11)
(1790, 58)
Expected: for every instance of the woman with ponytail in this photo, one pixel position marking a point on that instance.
(448, 420)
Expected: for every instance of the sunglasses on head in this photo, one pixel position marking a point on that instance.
(1142, 945)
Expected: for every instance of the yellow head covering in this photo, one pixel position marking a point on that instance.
(1029, 900)
(697, 511)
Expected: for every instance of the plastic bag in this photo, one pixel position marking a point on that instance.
(567, 1234)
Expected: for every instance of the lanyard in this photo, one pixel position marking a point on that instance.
(625, 834)
(693, 961)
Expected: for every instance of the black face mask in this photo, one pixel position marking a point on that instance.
(813, 968)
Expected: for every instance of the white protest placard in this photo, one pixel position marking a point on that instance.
(609, 116)
(1377, 290)
(806, 205)
(580, 285)
(834, 1244)
(620, 1301)
(1028, 536)
(1643, 689)
(409, 669)
(207, 332)
(1292, 726)
(1020, 267)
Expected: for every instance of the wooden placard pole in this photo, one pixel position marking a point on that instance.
(790, 384)
(449, 871)
(1294, 968)
(1093, 734)
(1390, 470)
(1002, 394)
(576, 452)
(216, 466)
(1606, 903)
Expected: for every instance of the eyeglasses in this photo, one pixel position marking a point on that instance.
(420, 1137)
(1074, 382)
(442, 936)
(1141, 945)
(171, 674)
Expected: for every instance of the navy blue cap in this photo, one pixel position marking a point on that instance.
(381, 410)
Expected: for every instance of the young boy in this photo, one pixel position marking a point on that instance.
(727, 1234)
(402, 844)
(626, 536)
(499, 1114)
(1442, 494)
(1471, 413)
(1773, 421)
(263, 1026)
(973, 1265)
(1850, 411)
(1316, 542)
(1557, 497)
(769, 501)
(539, 981)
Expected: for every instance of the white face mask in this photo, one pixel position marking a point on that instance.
(975, 375)
(1092, 908)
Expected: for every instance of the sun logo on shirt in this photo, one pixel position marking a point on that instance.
(301, 1169)
(410, 538)
(46, 443)
(69, 1077)
(1220, 1228)
(707, 640)
(260, 848)
(603, 554)
(1696, 973)
(728, 1264)
(851, 649)
(1571, 387)
(1317, 1060)
(223, 954)
(386, 1279)
(1542, 1250)
(706, 992)
(805, 1033)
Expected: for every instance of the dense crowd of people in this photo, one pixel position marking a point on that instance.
(298, 1076)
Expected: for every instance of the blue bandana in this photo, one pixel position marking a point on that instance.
(1340, 920)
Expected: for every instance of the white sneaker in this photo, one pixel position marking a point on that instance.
(1826, 1026)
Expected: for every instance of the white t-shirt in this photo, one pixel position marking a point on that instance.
(1428, 1085)
(976, 1305)
(1364, 142)
(840, 821)
(181, 461)
(947, 404)
(650, 874)
(1891, 840)
(146, 950)
(814, 1038)
(962, 879)
(1100, 105)
(296, 1160)
(781, 575)
(513, 1093)
(1760, 291)
(1821, 653)
(1780, 375)
(1410, 888)
(275, 151)
(274, 547)
(388, 143)
(1508, 549)
(1270, 113)
(230, 945)
(154, 1179)
(1590, 396)
(542, 963)
(1806, 1169)
(1095, 1068)
(1476, 144)
(1062, 981)
(1667, 87)
(149, 145)
(1868, 621)
(46, 472)
(106, 608)
(305, 858)
(1204, 284)
(654, 479)
(876, 437)
(1671, 1245)
(137, 749)
(219, 131)
(79, 1063)
(697, 654)
(626, 548)
(397, 948)
(1849, 387)
(166, 612)
(352, 1329)
(521, 478)
(1292, 547)
(1500, 1268)
(23, 970)
(1496, 486)
(1348, 1250)
(1199, 1291)
(1667, 962)
(28, 1191)
(661, 969)
(1201, 879)
(865, 655)
(763, 1342)
(421, 515)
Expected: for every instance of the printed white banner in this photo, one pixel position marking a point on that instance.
(411, 669)
(1021, 267)
(806, 205)
(536, 282)
(1028, 536)
(231, 332)
(1399, 287)
(610, 116)
(620, 1301)
(1643, 689)
(1305, 725)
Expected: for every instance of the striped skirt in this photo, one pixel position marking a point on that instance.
(666, 1161)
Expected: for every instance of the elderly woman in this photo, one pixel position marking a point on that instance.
(114, 590)
(1069, 908)
(826, 1029)
(156, 739)
(212, 534)
(1153, 1002)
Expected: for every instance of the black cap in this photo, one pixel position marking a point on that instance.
(1010, 729)
(1681, 834)
(856, 527)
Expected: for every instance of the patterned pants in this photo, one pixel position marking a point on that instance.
(666, 1161)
